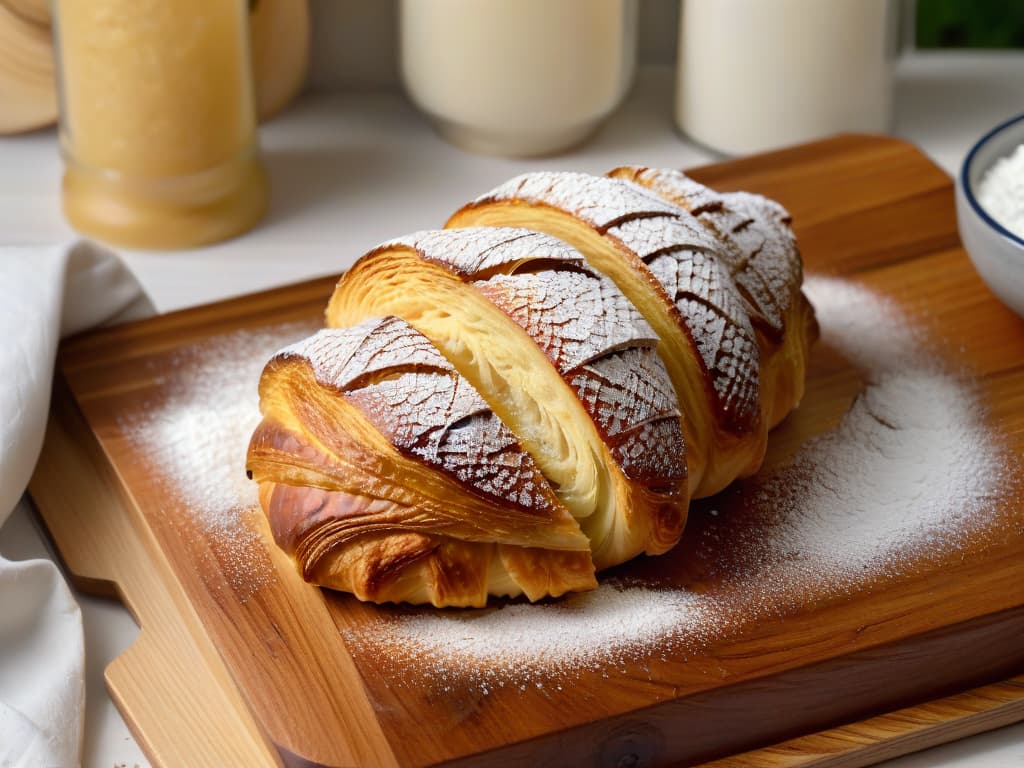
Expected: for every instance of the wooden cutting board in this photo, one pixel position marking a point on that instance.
(229, 674)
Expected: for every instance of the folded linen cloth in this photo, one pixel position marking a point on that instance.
(45, 293)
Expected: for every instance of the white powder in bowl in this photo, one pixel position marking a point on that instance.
(1001, 191)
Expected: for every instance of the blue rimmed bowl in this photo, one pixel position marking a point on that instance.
(997, 253)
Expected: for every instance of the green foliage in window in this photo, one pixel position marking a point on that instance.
(970, 23)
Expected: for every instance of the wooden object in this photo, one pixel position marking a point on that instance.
(178, 695)
(893, 734)
(33, 11)
(869, 207)
(28, 84)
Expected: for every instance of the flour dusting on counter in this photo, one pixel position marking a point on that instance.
(198, 435)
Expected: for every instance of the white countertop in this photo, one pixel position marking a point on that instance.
(350, 170)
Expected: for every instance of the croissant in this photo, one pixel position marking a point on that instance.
(759, 250)
(679, 272)
(383, 473)
(532, 394)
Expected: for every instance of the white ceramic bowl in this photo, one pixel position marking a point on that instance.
(997, 253)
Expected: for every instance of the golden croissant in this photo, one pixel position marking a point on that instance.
(534, 393)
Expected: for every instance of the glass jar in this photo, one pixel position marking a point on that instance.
(28, 97)
(157, 121)
(759, 74)
(517, 77)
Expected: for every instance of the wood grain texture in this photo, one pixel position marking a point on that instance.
(172, 660)
(894, 734)
(868, 207)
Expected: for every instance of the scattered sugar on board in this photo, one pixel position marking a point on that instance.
(521, 644)
(1001, 191)
(909, 469)
(909, 474)
(196, 441)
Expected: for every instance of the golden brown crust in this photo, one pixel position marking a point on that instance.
(761, 253)
(363, 492)
(489, 414)
(559, 353)
(666, 263)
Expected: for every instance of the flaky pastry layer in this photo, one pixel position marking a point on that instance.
(383, 473)
(560, 355)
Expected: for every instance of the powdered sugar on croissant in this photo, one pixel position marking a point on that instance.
(374, 418)
(429, 411)
(757, 244)
(668, 265)
(560, 354)
(503, 406)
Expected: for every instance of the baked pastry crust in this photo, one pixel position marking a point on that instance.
(760, 252)
(383, 473)
(559, 354)
(532, 394)
(667, 265)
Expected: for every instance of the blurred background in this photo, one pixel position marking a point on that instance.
(160, 146)
(348, 90)
(970, 24)
(355, 41)
(345, 155)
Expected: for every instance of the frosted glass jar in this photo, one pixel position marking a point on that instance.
(757, 74)
(157, 122)
(517, 77)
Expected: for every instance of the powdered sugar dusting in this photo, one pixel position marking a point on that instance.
(682, 255)
(469, 251)
(1001, 191)
(605, 350)
(574, 316)
(757, 244)
(911, 467)
(673, 185)
(630, 398)
(582, 322)
(908, 477)
(870, 330)
(908, 469)
(705, 297)
(601, 201)
(423, 407)
(442, 420)
(196, 440)
(524, 644)
(339, 355)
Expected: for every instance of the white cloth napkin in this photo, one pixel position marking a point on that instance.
(45, 293)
